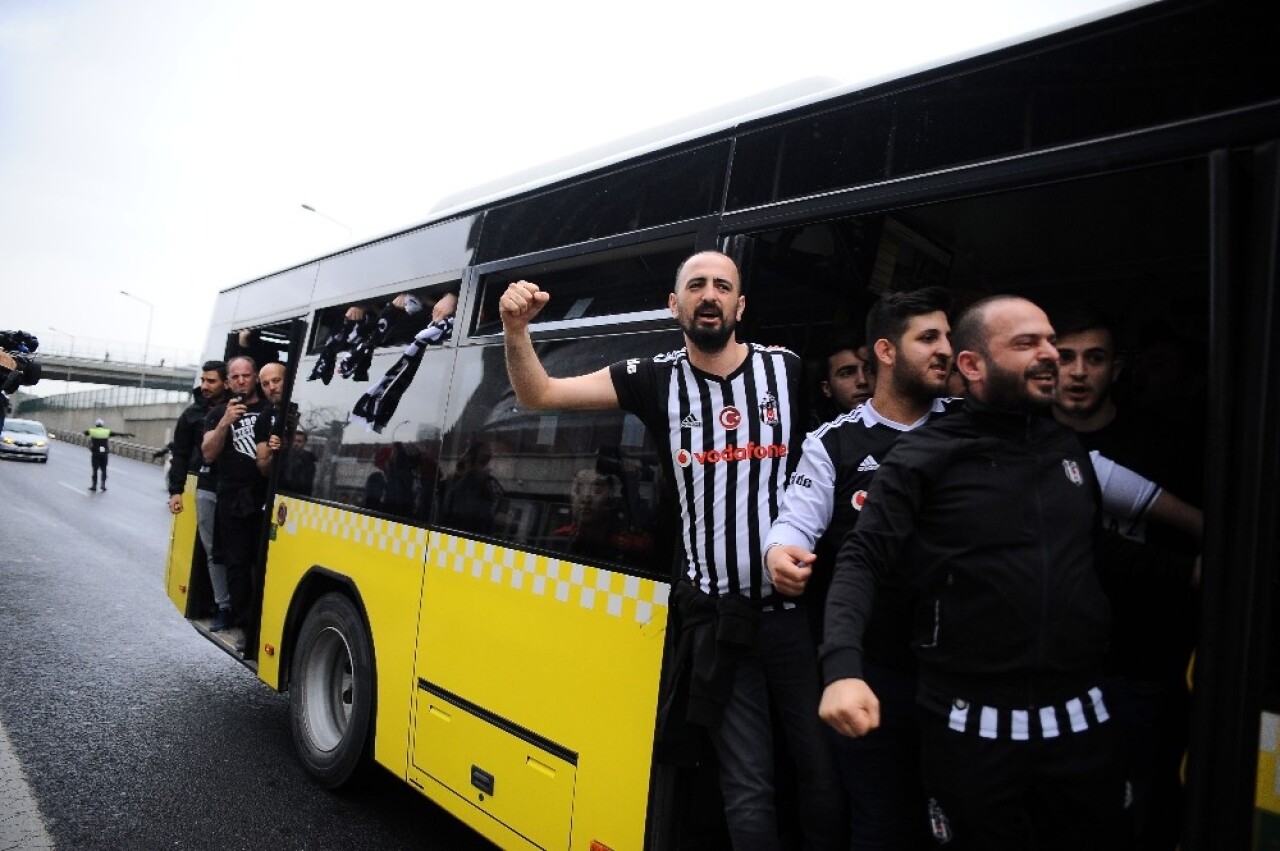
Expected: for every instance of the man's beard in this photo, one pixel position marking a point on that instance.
(1008, 390)
(710, 340)
(915, 385)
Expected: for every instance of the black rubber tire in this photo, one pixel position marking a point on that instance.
(331, 692)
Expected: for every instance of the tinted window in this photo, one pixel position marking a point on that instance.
(379, 456)
(586, 486)
(404, 314)
(1184, 65)
(630, 280)
(673, 189)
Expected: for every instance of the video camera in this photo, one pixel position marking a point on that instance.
(17, 366)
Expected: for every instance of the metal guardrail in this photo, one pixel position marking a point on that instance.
(123, 448)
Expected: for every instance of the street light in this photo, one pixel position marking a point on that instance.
(146, 346)
(330, 218)
(70, 355)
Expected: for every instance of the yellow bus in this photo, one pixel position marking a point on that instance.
(474, 596)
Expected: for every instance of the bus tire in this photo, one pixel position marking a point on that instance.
(331, 692)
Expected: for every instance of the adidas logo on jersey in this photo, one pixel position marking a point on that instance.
(868, 464)
(690, 421)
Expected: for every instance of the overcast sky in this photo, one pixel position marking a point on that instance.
(165, 147)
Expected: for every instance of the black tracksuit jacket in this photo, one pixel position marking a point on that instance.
(187, 437)
(994, 520)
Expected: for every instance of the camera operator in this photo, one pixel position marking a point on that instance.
(17, 366)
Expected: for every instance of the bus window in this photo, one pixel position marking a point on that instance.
(633, 281)
(583, 485)
(404, 314)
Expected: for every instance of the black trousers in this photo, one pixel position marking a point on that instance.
(1065, 792)
(235, 544)
(98, 460)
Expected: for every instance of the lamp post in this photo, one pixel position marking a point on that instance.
(146, 346)
(330, 218)
(70, 354)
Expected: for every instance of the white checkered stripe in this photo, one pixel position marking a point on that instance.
(551, 578)
(1046, 722)
(385, 536)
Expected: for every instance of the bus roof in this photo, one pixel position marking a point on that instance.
(719, 119)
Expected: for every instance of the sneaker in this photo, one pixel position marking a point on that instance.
(237, 638)
(221, 621)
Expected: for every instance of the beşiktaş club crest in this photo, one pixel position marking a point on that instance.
(769, 410)
(1073, 471)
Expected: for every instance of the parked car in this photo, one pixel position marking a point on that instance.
(24, 439)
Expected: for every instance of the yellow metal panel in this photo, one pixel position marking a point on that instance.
(569, 651)
(532, 790)
(182, 547)
(1268, 797)
(384, 561)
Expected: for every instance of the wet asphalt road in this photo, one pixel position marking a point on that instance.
(134, 731)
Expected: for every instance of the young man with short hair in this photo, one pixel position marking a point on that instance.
(188, 434)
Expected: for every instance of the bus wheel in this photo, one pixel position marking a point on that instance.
(331, 691)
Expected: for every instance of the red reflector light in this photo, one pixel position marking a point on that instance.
(597, 845)
(182, 589)
(270, 649)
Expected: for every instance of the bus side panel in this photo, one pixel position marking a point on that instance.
(382, 560)
(548, 654)
(1266, 832)
(181, 560)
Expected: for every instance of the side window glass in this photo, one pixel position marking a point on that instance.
(586, 486)
(395, 320)
(372, 439)
(591, 289)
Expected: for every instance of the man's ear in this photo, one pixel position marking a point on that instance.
(885, 352)
(826, 388)
(671, 305)
(742, 305)
(1118, 364)
(971, 365)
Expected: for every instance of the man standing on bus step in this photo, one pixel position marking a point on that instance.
(229, 445)
(909, 342)
(268, 431)
(188, 435)
(991, 517)
(100, 450)
(725, 411)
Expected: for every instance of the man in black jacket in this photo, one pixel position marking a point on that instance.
(187, 436)
(991, 517)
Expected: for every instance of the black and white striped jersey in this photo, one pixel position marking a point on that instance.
(837, 462)
(729, 443)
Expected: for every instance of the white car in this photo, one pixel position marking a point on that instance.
(24, 439)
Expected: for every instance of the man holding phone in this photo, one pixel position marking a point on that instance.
(229, 440)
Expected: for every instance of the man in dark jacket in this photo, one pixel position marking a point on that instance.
(991, 518)
(187, 436)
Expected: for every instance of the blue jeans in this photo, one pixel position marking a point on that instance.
(206, 512)
(782, 668)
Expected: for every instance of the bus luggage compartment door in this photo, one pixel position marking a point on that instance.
(521, 780)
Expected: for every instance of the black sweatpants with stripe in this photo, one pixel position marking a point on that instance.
(1038, 794)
